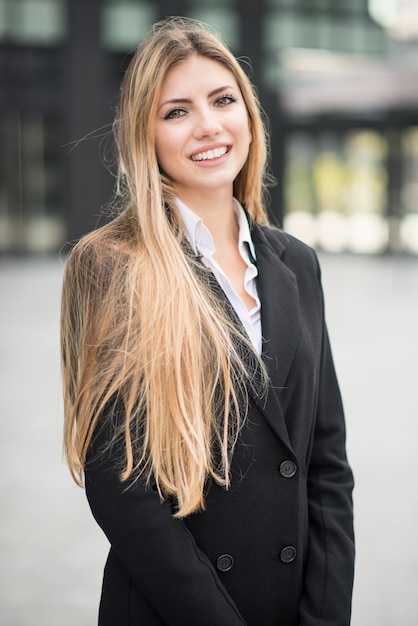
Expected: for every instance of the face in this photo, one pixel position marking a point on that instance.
(202, 132)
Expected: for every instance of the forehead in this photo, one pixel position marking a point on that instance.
(196, 73)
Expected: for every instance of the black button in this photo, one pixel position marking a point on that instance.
(288, 554)
(224, 562)
(288, 469)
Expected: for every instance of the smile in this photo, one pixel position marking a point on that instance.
(210, 154)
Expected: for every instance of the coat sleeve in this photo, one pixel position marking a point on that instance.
(157, 550)
(329, 570)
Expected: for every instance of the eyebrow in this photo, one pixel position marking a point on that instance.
(214, 92)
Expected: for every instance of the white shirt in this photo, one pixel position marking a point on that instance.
(201, 241)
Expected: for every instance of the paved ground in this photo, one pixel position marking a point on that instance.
(51, 552)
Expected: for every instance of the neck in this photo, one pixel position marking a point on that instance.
(217, 213)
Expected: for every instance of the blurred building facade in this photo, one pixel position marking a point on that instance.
(338, 79)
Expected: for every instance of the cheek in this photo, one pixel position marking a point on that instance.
(248, 127)
(168, 154)
(162, 150)
(247, 133)
(159, 146)
(245, 129)
(167, 143)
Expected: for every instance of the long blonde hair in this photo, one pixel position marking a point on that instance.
(140, 324)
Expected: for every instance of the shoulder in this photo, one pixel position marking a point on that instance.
(293, 252)
(105, 245)
(289, 256)
(94, 264)
(97, 246)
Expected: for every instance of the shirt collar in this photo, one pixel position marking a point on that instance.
(199, 236)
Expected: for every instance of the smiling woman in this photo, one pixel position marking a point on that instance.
(201, 405)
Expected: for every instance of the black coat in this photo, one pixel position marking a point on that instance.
(277, 548)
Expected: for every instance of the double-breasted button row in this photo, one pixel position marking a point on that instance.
(225, 562)
(288, 469)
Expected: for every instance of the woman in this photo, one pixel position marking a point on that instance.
(201, 404)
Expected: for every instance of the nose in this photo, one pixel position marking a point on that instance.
(207, 124)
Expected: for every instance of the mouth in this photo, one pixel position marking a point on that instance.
(209, 155)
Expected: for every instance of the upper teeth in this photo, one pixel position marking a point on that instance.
(210, 154)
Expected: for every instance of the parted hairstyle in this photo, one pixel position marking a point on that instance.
(147, 349)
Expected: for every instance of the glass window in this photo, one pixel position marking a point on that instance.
(3, 16)
(375, 40)
(207, 3)
(271, 73)
(33, 22)
(287, 31)
(282, 3)
(280, 31)
(30, 184)
(343, 36)
(124, 23)
(325, 27)
(326, 31)
(307, 33)
(355, 6)
(335, 190)
(221, 17)
(409, 193)
(323, 5)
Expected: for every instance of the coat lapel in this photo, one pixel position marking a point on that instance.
(279, 320)
(279, 297)
(278, 293)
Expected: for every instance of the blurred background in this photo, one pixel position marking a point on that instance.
(339, 82)
(338, 79)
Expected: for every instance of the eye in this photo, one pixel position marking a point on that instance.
(225, 100)
(174, 114)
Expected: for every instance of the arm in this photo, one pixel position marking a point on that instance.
(158, 551)
(328, 577)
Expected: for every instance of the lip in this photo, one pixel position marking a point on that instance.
(209, 148)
